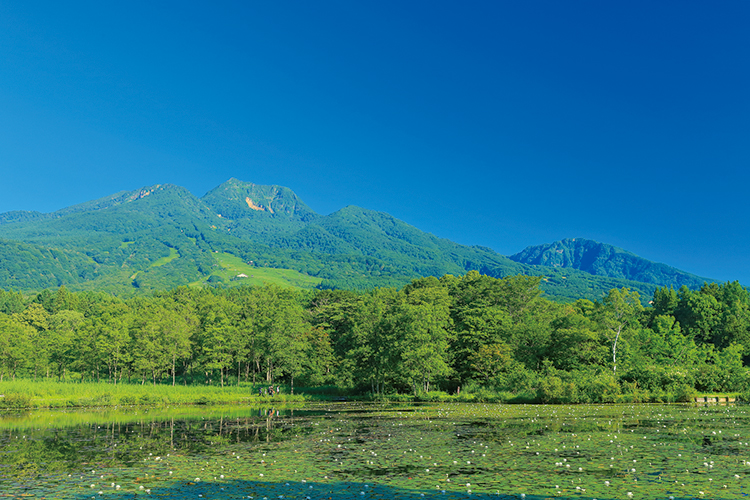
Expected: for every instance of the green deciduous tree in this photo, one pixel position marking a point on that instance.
(61, 340)
(423, 334)
(618, 313)
(576, 342)
(16, 345)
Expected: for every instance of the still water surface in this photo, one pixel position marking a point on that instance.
(354, 450)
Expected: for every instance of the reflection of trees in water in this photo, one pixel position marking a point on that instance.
(28, 452)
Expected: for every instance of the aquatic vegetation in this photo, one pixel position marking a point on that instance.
(25, 393)
(390, 451)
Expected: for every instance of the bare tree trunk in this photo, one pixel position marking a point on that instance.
(614, 350)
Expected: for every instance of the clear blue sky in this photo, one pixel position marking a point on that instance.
(503, 124)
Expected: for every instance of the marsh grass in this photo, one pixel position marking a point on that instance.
(25, 393)
(52, 394)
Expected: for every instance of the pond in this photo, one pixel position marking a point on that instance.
(357, 450)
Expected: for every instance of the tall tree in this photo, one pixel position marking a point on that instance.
(61, 341)
(618, 312)
(16, 346)
(423, 335)
(218, 321)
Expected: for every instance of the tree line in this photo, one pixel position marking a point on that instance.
(433, 334)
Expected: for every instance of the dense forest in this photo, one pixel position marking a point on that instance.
(495, 335)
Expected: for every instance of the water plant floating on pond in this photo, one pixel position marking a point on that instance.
(387, 451)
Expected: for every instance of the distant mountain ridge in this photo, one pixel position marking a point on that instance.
(163, 236)
(601, 259)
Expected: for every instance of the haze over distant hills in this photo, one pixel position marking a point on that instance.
(163, 236)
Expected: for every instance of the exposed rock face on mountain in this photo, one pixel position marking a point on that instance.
(163, 236)
(601, 259)
(237, 200)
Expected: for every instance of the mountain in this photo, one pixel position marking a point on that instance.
(163, 236)
(601, 259)
(248, 209)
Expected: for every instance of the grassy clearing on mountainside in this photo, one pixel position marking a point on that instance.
(173, 254)
(232, 267)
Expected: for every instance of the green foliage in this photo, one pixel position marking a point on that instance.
(51, 393)
(161, 237)
(600, 259)
(15, 400)
(474, 337)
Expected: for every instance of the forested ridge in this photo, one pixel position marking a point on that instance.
(494, 336)
(161, 237)
(600, 259)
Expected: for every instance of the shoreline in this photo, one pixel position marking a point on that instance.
(48, 394)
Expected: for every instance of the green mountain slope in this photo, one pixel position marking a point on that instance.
(600, 259)
(358, 231)
(251, 211)
(163, 236)
(25, 266)
(122, 236)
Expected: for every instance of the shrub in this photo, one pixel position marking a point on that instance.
(15, 400)
(632, 393)
(205, 400)
(433, 396)
(552, 389)
(128, 399)
(520, 380)
(684, 393)
(598, 388)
